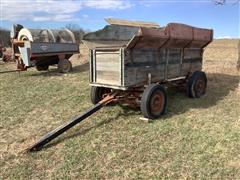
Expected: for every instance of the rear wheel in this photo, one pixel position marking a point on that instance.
(64, 66)
(98, 93)
(197, 84)
(154, 101)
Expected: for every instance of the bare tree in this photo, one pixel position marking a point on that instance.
(77, 31)
(219, 2)
(5, 37)
(222, 2)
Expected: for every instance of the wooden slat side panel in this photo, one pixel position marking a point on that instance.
(144, 56)
(108, 77)
(174, 63)
(174, 56)
(139, 75)
(173, 71)
(152, 61)
(186, 68)
(108, 68)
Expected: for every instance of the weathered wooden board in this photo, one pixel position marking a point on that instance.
(131, 23)
(108, 68)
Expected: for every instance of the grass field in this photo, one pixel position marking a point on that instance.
(197, 138)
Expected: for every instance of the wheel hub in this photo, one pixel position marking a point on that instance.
(200, 86)
(157, 103)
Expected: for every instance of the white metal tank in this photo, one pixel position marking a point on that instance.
(46, 35)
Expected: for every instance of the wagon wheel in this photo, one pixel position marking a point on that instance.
(154, 101)
(64, 66)
(42, 68)
(197, 84)
(98, 93)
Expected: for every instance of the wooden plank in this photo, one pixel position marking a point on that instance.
(107, 67)
(186, 68)
(138, 75)
(108, 77)
(131, 23)
(173, 70)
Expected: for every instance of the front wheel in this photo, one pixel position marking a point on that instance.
(98, 93)
(154, 101)
(197, 84)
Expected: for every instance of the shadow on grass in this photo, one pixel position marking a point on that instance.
(126, 112)
(219, 86)
(54, 71)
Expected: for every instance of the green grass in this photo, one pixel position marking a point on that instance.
(197, 138)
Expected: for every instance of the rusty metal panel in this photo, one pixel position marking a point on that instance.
(172, 36)
(202, 34)
(180, 31)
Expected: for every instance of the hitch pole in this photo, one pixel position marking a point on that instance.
(61, 129)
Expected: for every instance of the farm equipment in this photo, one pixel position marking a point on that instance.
(5, 55)
(42, 48)
(132, 63)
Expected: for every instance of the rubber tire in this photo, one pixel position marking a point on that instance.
(62, 63)
(42, 68)
(146, 98)
(96, 94)
(191, 83)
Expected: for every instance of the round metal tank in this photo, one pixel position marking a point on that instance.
(46, 35)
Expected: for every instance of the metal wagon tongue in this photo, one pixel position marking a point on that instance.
(61, 129)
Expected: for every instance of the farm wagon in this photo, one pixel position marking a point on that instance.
(137, 60)
(132, 63)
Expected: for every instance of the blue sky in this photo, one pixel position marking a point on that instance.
(90, 14)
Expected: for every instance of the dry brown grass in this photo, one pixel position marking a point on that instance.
(222, 50)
